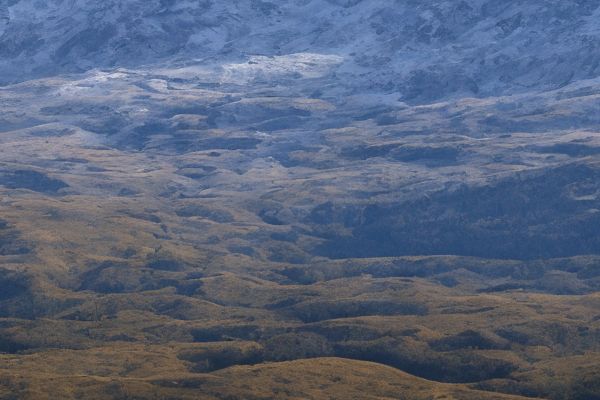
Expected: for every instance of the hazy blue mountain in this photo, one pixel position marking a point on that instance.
(421, 50)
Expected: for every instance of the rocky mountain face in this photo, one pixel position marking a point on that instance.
(421, 51)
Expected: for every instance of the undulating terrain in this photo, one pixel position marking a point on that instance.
(300, 199)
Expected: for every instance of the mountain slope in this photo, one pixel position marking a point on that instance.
(423, 51)
(299, 199)
(320, 378)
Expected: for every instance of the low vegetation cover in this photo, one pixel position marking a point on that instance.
(326, 199)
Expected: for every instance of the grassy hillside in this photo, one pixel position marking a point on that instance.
(163, 236)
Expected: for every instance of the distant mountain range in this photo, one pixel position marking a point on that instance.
(421, 50)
